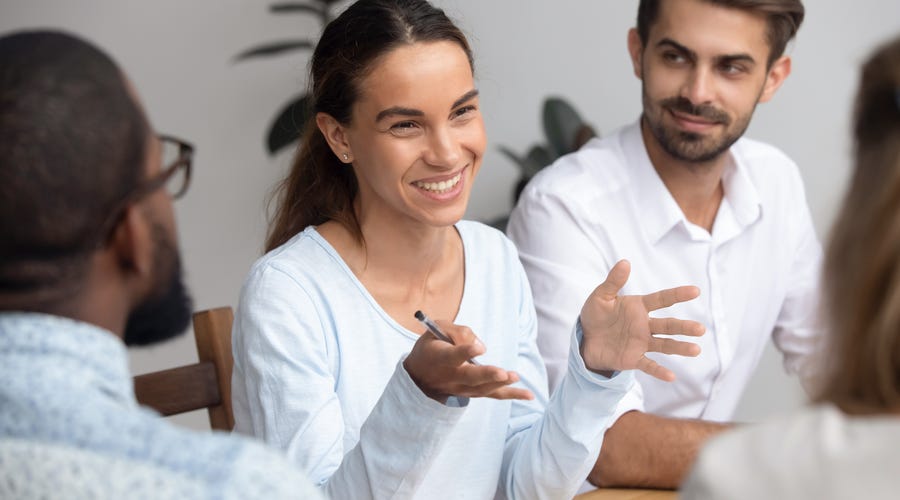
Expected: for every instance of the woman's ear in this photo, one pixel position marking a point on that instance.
(336, 135)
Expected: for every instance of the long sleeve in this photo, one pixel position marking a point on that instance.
(563, 267)
(550, 451)
(284, 393)
(798, 328)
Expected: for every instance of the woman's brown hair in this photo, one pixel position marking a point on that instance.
(862, 265)
(319, 187)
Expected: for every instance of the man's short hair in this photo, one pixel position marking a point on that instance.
(72, 145)
(783, 17)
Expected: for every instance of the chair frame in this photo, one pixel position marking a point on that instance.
(206, 384)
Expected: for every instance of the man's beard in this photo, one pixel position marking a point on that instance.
(167, 312)
(691, 147)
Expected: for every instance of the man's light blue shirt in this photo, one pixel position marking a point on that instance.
(70, 427)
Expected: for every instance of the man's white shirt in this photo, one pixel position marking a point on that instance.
(758, 270)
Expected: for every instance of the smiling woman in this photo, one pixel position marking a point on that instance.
(329, 360)
(416, 137)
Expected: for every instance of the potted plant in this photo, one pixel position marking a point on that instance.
(565, 132)
(291, 119)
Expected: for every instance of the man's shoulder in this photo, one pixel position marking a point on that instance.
(761, 157)
(168, 461)
(599, 168)
(231, 464)
(774, 174)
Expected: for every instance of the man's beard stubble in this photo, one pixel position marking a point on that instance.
(167, 313)
(690, 147)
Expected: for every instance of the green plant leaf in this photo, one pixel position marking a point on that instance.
(583, 135)
(289, 124)
(528, 165)
(274, 48)
(515, 158)
(538, 158)
(561, 125)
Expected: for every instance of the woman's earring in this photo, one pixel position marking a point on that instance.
(346, 157)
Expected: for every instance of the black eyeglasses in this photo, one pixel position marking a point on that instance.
(176, 157)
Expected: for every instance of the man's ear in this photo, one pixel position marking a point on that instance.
(777, 74)
(636, 51)
(132, 243)
(336, 135)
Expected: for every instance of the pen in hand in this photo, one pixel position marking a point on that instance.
(436, 331)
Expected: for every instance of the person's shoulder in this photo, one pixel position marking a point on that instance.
(261, 472)
(778, 458)
(484, 238)
(764, 160)
(230, 465)
(299, 260)
(304, 246)
(598, 168)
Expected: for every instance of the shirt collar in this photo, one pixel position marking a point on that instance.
(659, 210)
(740, 192)
(54, 340)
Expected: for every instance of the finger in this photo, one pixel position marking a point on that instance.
(670, 346)
(483, 390)
(615, 280)
(474, 376)
(670, 296)
(461, 335)
(511, 393)
(462, 354)
(675, 326)
(654, 369)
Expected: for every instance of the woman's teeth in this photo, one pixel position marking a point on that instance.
(440, 187)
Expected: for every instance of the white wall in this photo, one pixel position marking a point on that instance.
(179, 55)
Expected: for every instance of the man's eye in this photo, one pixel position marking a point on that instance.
(732, 69)
(673, 57)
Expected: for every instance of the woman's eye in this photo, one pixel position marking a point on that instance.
(404, 128)
(463, 111)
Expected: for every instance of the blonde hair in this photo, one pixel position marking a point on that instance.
(862, 265)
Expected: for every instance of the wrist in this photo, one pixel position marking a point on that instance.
(427, 391)
(608, 373)
(592, 364)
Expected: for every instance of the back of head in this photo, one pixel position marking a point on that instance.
(72, 145)
(319, 187)
(784, 18)
(862, 267)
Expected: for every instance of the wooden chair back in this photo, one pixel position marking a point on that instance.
(206, 384)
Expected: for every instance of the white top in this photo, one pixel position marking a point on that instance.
(816, 454)
(758, 271)
(318, 372)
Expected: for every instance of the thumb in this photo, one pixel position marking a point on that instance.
(615, 280)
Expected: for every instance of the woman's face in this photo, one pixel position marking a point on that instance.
(416, 135)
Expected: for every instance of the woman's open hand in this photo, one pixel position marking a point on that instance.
(441, 369)
(618, 330)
